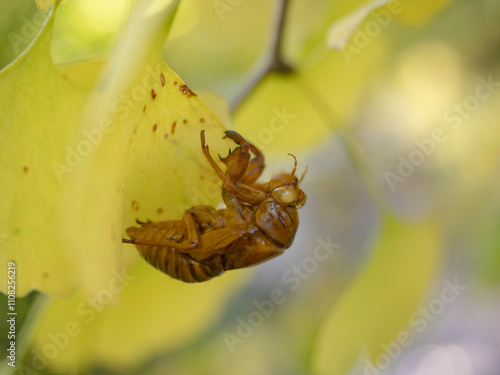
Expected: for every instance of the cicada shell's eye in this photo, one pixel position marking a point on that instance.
(301, 201)
(285, 195)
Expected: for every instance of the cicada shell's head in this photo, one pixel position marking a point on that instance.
(285, 190)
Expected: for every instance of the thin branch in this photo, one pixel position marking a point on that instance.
(273, 61)
(276, 63)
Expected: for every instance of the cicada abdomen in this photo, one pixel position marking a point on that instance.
(175, 263)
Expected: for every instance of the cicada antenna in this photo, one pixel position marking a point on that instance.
(303, 174)
(295, 164)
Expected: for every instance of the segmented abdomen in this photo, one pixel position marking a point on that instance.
(171, 261)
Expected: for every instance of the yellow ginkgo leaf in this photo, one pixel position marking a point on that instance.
(84, 73)
(39, 107)
(283, 121)
(370, 18)
(44, 5)
(419, 12)
(340, 32)
(380, 302)
(155, 314)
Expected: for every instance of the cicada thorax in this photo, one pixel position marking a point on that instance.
(273, 230)
(278, 223)
(171, 261)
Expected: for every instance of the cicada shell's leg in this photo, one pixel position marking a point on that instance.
(243, 192)
(193, 229)
(255, 167)
(228, 184)
(238, 160)
(250, 171)
(231, 201)
(193, 232)
(206, 217)
(175, 245)
(231, 134)
(246, 170)
(143, 222)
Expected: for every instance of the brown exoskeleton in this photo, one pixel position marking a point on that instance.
(259, 222)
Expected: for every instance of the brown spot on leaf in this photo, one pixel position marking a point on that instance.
(25, 169)
(135, 129)
(175, 83)
(153, 94)
(202, 177)
(45, 275)
(165, 136)
(202, 120)
(173, 127)
(135, 205)
(186, 91)
(154, 127)
(162, 79)
(184, 121)
(144, 109)
(159, 210)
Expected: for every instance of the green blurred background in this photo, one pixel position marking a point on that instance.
(355, 117)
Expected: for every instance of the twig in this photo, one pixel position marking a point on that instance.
(276, 63)
(273, 62)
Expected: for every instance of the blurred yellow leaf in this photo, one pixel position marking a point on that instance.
(340, 32)
(275, 118)
(378, 15)
(84, 73)
(339, 80)
(420, 12)
(329, 25)
(218, 104)
(44, 5)
(155, 314)
(39, 107)
(379, 303)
